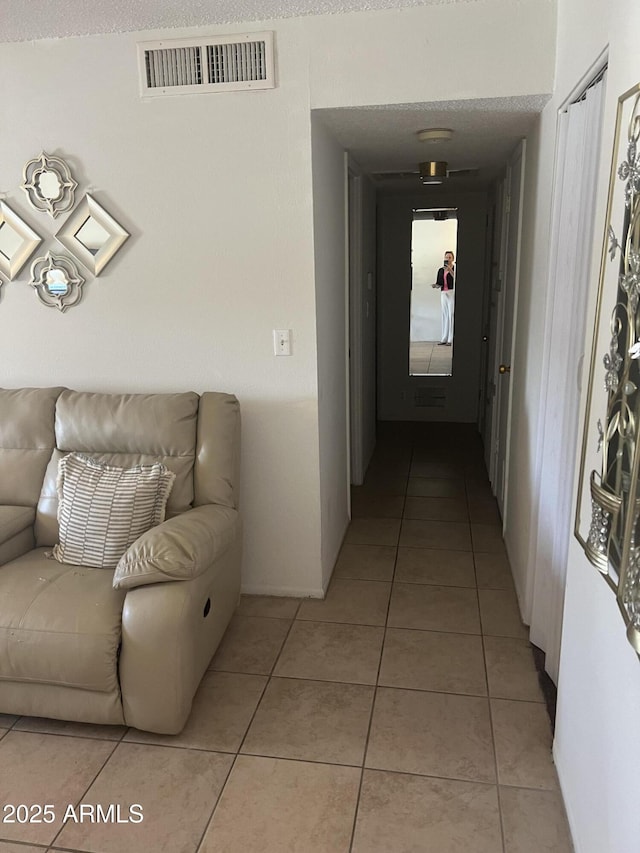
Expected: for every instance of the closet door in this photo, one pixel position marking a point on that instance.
(571, 242)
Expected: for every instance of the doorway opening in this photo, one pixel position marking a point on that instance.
(434, 242)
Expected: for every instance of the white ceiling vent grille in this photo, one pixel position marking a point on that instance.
(213, 64)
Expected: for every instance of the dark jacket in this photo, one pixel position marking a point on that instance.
(440, 279)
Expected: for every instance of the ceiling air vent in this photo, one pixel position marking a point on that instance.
(213, 64)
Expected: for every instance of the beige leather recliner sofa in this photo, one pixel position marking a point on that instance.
(72, 646)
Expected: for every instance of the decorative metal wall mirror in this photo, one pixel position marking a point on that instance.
(17, 241)
(92, 235)
(48, 184)
(608, 507)
(57, 281)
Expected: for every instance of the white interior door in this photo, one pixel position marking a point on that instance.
(507, 311)
(486, 322)
(494, 328)
(578, 147)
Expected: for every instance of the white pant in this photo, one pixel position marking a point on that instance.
(446, 305)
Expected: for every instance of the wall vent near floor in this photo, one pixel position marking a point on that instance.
(430, 398)
(213, 64)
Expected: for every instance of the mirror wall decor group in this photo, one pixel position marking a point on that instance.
(89, 233)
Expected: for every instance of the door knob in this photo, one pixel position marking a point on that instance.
(504, 368)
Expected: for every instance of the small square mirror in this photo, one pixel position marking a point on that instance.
(92, 235)
(17, 241)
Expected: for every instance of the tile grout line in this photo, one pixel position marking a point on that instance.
(270, 676)
(17, 720)
(116, 743)
(377, 625)
(90, 785)
(209, 820)
(375, 687)
(486, 675)
(495, 753)
(26, 844)
(365, 684)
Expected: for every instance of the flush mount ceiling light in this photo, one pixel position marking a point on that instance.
(435, 134)
(433, 171)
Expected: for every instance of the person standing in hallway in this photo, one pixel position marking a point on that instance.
(445, 280)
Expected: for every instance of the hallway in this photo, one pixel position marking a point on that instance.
(453, 631)
(415, 672)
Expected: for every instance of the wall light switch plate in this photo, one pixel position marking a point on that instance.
(282, 341)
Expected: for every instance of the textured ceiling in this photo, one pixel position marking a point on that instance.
(23, 20)
(383, 139)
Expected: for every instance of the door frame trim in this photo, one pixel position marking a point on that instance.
(353, 303)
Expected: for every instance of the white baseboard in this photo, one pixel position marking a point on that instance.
(557, 760)
(281, 591)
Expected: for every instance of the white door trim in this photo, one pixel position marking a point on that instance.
(507, 314)
(521, 152)
(354, 343)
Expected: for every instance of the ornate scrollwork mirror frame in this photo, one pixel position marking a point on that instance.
(609, 494)
(48, 184)
(23, 243)
(56, 281)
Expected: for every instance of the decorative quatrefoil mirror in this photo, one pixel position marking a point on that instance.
(92, 235)
(57, 281)
(48, 184)
(17, 241)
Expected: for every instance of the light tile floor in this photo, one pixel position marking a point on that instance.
(429, 358)
(400, 715)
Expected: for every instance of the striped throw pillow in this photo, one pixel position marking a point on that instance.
(102, 510)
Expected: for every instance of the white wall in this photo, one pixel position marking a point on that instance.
(329, 229)
(217, 193)
(597, 744)
(430, 239)
(396, 389)
(360, 60)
